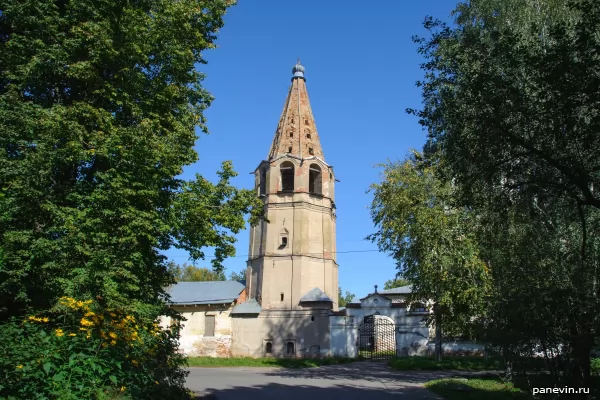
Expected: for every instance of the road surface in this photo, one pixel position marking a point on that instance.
(359, 380)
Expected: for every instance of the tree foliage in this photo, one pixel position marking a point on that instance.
(238, 276)
(191, 273)
(431, 240)
(394, 283)
(344, 299)
(99, 106)
(511, 99)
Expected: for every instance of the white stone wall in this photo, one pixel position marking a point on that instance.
(193, 341)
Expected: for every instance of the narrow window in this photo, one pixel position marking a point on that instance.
(284, 241)
(287, 176)
(269, 348)
(263, 182)
(308, 135)
(291, 133)
(306, 121)
(290, 149)
(209, 325)
(281, 296)
(290, 348)
(310, 151)
(315, 179)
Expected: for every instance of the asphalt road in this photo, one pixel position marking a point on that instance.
(361, 380)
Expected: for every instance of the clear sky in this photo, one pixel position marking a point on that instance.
(361, 68)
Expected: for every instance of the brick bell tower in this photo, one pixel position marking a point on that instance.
(292, 259)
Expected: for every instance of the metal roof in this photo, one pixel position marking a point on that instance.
(217, 292)
(249, 307)
(315, 295)
(399, 290)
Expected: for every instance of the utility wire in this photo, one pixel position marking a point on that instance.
(307, 254)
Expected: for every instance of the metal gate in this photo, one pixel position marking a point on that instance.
(377, 338)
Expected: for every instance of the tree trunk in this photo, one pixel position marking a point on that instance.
(438, 332)
(508, 367)
(581, 361)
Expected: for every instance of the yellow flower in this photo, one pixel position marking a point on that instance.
(59, 332)
(72, 334)
(112, 314)
(32, 318)
(122, 388)
(86, 322)
(45, 319)
(112, 335)
(113, 342)
(156, 382)
(89, 314)
(20, 366)
(134, 362)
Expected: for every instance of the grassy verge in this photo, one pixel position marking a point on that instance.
(448, 363)
(475, 389)
(265, 362)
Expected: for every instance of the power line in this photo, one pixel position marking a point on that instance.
(307, 254)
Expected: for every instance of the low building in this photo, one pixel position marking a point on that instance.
(206, 307)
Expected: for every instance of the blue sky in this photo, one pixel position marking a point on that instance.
(361, 68)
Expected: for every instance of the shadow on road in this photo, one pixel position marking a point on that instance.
(368, 371)
(276, 391)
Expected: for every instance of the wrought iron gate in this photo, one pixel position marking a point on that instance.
(377, 338)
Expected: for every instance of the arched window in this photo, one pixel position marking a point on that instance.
(287, 176)
(290, 348)
(307, 132)
(315, 179)
(269, 348)
(263, 182)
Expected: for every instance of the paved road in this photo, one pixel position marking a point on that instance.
(360, 380)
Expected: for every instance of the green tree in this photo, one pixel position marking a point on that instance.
(344, 299)
(394, 283)
(510, 96)
(432, 243)
(238, 276)
(191, 273)
(99, 106)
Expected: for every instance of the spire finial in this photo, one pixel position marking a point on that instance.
(375, 288)
(298, 70)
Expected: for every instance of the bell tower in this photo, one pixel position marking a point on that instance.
(292, 258)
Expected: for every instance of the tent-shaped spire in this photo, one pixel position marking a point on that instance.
(296, 132)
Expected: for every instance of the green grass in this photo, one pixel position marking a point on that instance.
(265, 362)
(475, 389)
(448, 363)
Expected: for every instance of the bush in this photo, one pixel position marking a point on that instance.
(80, 351)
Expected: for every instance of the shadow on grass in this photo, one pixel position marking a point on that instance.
(475, 389)
(448, 363)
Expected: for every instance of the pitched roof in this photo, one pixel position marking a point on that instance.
(296, 132)
(399, 290)
(314, 295)
(249, 307)
(375, 294)
(218, 292)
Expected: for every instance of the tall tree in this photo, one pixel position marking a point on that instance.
(431, 241)
(510, 102)
(99, 105)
